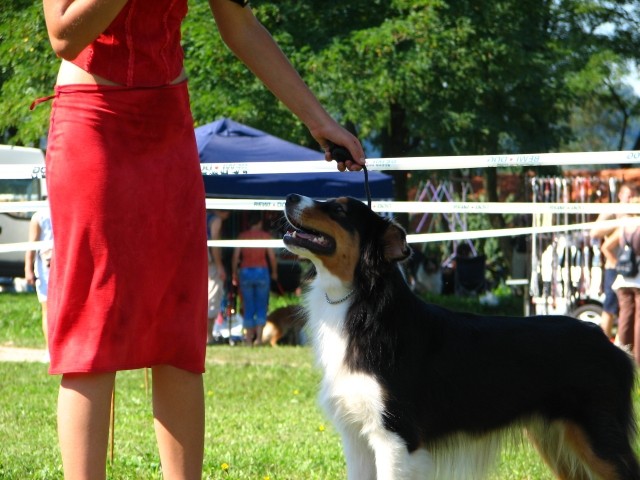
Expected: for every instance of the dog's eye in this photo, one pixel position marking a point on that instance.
(338, 209)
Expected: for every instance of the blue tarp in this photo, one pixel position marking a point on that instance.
(225, 141)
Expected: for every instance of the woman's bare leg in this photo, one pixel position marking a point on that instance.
(84, 402)
(178, 409)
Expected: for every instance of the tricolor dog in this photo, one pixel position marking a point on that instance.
(420, 392)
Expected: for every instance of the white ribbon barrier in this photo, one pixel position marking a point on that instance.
(513, 232)
(448, 236)
(432, 163)
(23, 207)
(24, 246)
(23, 171)
(448, 207)
(412, 238)
(407, 207)
(402, 207)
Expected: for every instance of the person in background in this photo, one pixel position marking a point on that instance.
(128, 284)
(217, 272)
(251, 272)
(610, 305)
(627, 288)
(38, 262)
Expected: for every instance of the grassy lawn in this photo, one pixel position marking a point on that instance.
(20, 320)
(262, 418)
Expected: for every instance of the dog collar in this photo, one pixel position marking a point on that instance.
(340, 300)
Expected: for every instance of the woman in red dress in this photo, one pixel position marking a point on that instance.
(128, 286)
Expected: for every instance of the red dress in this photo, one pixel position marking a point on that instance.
(128, 283)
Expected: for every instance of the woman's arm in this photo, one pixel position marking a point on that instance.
(215, 228)
(235, 264)
(255, 46)
(29, 256)
(271, 255)
(599, 231)
(610, 246)
(74, 24)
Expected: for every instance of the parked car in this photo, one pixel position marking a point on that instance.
(14, 226)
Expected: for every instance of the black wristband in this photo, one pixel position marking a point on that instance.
(242, 3)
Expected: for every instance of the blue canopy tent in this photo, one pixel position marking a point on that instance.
(225, 141)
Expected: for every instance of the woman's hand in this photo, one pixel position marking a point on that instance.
(337, 136)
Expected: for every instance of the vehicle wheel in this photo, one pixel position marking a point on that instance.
(588, 313)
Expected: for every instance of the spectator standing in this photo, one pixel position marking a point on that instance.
(627, 288)
(610, 306)
(128, 285)
(217, 271)
(37, 263)
(251, 273)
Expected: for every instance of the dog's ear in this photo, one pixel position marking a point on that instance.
(395, 243)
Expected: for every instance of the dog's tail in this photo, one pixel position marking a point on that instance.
(598, 442)
(570, 453)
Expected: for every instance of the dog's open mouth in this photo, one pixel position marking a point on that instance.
(315, 242)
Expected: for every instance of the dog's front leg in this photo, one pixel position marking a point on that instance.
(394, 462)
(361, 463)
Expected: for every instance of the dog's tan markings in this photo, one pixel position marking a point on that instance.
(565, 448)
(342, 263)
(579, 443)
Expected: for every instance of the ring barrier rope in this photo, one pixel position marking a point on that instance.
(24, 246)
(26, 170)
(450, 207)
(411, 238)
(400, 207)
(448, 236)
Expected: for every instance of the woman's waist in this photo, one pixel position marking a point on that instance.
(70, 74)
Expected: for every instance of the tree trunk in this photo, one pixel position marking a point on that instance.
(497, 220)
(395, 143)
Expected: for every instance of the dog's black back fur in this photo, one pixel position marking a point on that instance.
(446, 372)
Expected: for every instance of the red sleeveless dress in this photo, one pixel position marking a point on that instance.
(128, 282)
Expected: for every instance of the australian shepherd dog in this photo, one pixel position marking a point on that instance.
(420, 392)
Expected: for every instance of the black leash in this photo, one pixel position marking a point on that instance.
(341, 154)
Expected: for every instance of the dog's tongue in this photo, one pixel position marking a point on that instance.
(308, 236)
(301, 234)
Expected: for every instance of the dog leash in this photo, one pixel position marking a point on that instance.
(341, 154)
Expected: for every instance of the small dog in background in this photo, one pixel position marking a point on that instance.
(420, 392)
(284, 326)
(424, 273)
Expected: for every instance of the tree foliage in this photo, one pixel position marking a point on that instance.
(410, 77)
(420, 77)
(27, 71)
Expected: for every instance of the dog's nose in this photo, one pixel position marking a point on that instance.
(293, 198)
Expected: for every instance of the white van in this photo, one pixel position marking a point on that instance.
(14, 226)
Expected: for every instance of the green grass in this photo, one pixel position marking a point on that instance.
(262, 418)
(20, 320)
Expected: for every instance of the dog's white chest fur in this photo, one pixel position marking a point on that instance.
(349, 397)
(354, 401)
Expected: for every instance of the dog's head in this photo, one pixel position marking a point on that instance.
(341, 234)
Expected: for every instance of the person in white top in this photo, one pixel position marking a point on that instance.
(38, 262)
